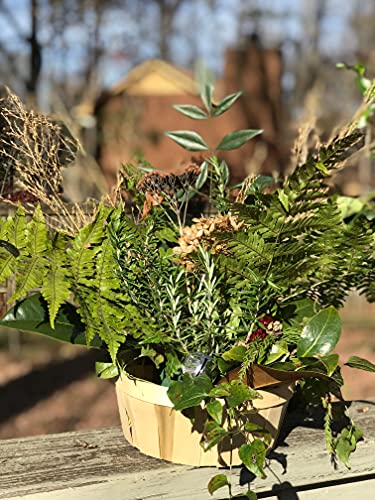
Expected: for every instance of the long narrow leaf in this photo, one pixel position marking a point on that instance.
(191, 141)
(191, 111)
(360, 364)
(235, 140)
(226, 103)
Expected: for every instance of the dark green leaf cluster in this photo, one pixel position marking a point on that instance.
(64, 268)
(294, 243)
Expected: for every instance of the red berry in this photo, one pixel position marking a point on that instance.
(266, 320)
(258, 334)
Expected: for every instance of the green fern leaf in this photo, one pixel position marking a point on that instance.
(31, 268)
(7, 264)
(16, 229)
(56, 284)
(84, 248)
(13, 231)
(107, 311)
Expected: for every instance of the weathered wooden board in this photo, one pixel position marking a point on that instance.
(101, 465)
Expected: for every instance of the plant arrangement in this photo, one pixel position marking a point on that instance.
(212, 305)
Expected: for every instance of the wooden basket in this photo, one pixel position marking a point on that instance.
(151, 424)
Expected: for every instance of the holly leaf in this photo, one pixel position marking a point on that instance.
(277, 351)
(321, 333)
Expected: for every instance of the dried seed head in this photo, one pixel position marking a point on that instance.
(201, 233)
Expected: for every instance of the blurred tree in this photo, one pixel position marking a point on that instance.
(29, 38)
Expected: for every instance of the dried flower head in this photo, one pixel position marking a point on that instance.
(158, 186)
(158, 183)
(201, 233)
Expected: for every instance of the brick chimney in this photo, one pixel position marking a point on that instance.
(257, 71)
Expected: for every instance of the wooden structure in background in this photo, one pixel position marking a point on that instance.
(132, 116)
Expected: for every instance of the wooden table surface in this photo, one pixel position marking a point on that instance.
(101, 465)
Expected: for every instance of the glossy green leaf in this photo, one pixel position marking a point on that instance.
(330, 362)
(224, 173)
(191, 141)
(304, 309)
(206, 95)
(236, 353)
(277, 351)
(215, 410)
(320, 334)
(191, 111)
(106, 370)
(216, 483)
(31, 315)
(360, 363)
(237, 139)
(226, 103)
(253, 456)
(202, 177)
(189, 391)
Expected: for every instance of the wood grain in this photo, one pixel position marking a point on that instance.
(101, 465)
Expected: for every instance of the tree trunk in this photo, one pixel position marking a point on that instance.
(35, 61)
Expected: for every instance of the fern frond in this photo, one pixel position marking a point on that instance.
(31, 268)
(250, 246)
(7, 264)
(15, 229)
(106, 307)
(84, 248)
(307, 178)
(56, 282)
